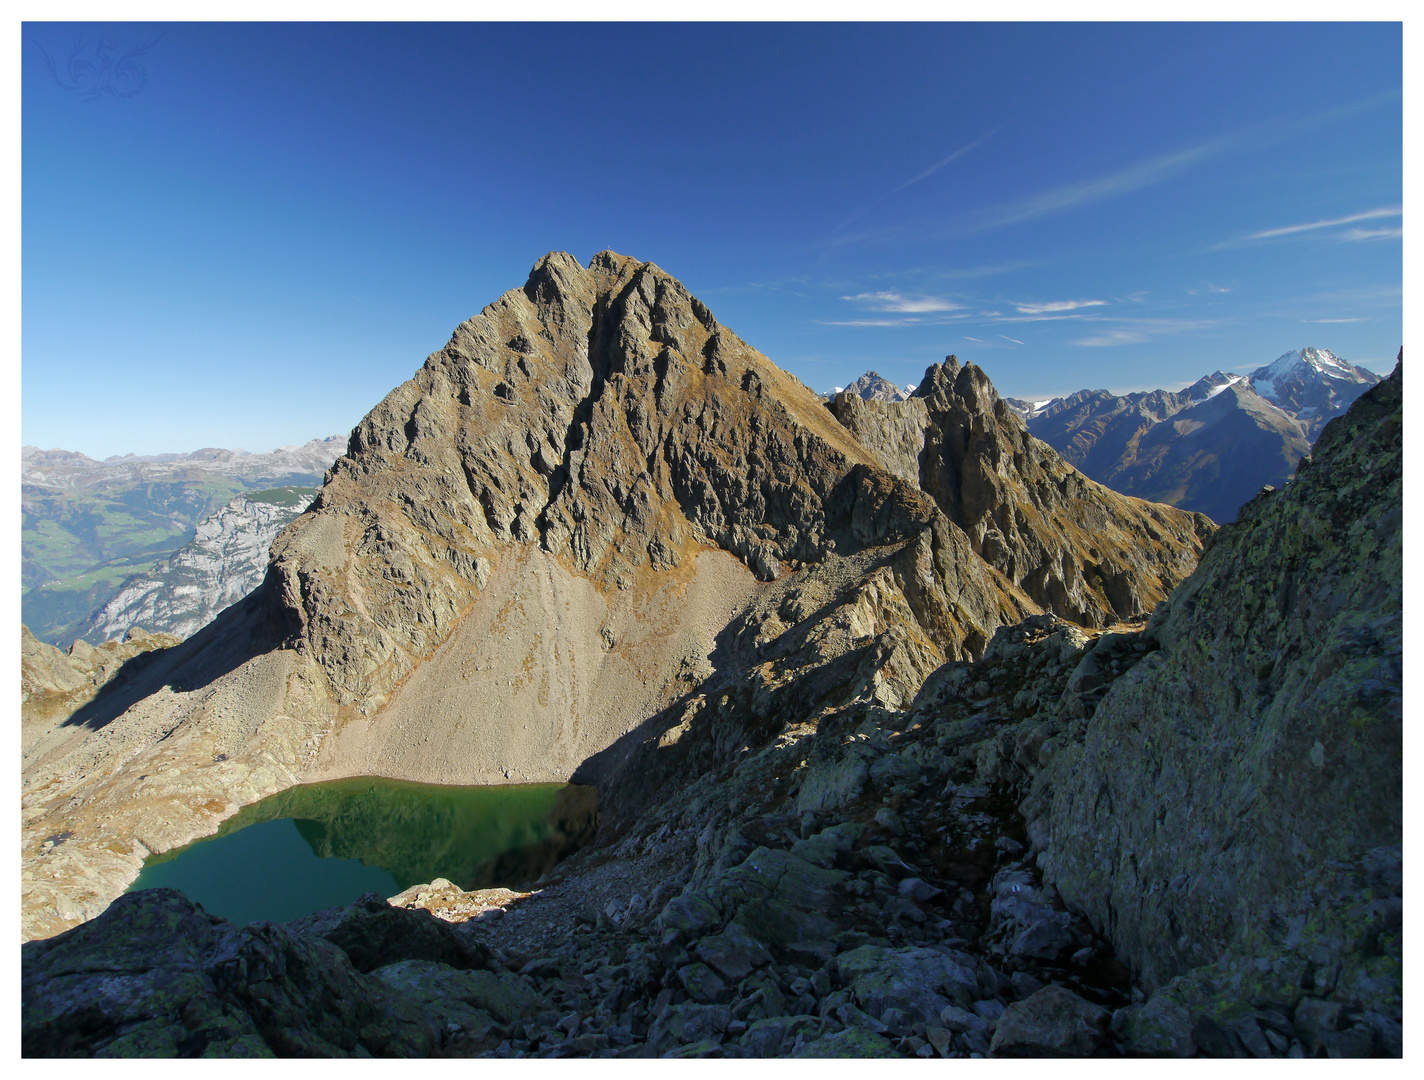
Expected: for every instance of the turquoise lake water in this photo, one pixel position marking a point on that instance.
(322, 845)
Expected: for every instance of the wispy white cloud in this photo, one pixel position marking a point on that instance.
(990, 269)
(1006, 337)
(1329, 223)
(1162, 168)
(1360, 318)
(867, 322)
(979, 341)
(1112, 337)
(1372, 234)
(1124, 181)
(893, 301)
(1144, 173)
(937, 166)
(1207, 287)
(1136, 331)
(926, 174)
(1057, 305)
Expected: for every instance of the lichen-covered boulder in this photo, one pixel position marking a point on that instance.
(1236, 808)
(1053, 1022)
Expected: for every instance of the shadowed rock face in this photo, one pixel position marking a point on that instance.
(1076, 548)
(1239, 793)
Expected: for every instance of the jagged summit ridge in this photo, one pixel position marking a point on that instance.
(1077, 548)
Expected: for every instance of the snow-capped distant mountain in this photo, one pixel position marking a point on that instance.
(1209, 447)
(872, 386)
(1206, 387)
(1312, 385)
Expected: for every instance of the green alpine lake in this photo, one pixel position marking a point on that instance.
(318, 846)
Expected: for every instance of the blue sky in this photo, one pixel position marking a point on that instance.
(253, 242)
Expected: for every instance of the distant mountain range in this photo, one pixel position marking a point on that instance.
(87, 525)
(1209, 447)
(223, 563)
(66, 470)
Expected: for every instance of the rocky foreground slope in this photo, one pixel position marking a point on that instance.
(600, 508)
(1269, 721)
(873, 832)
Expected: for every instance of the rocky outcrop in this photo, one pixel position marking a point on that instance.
(1234, 814)
(155, 976)
(1075, 547)
(54, 684)
(226, 560)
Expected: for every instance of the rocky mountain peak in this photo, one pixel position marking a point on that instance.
(1312, 385)
(872, 386)
(1074, 546)
(938, 378)
(599, 413)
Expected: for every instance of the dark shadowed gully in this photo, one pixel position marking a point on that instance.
(970, 757)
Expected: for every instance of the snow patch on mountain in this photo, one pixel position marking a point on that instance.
(1230, 382)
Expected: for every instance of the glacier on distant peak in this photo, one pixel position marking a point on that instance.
(1312, 385)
